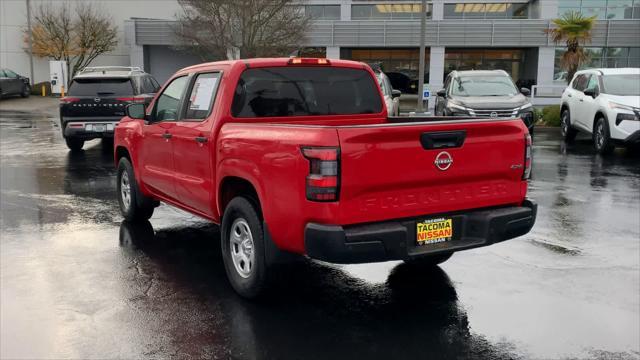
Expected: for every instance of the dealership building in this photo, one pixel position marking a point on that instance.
(508, 35)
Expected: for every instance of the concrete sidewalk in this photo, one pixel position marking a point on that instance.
(33, 104)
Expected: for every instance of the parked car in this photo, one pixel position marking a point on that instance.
(391, 96)
(13, 84)
(97, 99)
(484, 93)
(604, 103)
(296, 156)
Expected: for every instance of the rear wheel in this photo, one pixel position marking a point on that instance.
(601, 137)
(429, 260)
(74, 144)
(134, 205)
(243, 248)
(567, 131)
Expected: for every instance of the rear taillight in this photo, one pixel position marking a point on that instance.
(323, 181)
(68, 100)
(527, 157)
(131, 99)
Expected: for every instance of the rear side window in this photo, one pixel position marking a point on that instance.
(305, 91)
(93, 87)
(580, 82)
(202, 94)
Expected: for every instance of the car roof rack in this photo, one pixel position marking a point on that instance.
(104, 69)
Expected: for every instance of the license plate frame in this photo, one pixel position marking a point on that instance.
(434, 231)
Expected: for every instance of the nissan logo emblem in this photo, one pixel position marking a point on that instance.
(443, 161)
(96, 99)
(494, 114)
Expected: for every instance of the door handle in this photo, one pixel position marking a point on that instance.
(569, 95)
(581, 100)
(167, 136)
(201, 139)
(442, 139)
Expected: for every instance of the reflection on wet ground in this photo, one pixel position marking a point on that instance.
(78, 282)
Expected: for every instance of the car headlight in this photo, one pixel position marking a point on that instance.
(523, 107)
(616, 106)
(456, 107)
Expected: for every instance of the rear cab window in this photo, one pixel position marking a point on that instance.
(101, 86)
(305, 91)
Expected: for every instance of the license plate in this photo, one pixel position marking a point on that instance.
(433, 231)
(98, 128)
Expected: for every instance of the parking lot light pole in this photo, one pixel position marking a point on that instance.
(30, 42)
(423, 25)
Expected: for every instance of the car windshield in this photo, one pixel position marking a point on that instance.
(304, 91)
(622, 85)
(483, 85)
(93, 87)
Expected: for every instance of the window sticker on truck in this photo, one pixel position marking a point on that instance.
(434, 231)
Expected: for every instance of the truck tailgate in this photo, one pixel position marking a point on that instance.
(389, 171)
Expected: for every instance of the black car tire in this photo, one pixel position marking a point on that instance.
(134, 205)
(241, 218)
(429, 260)
(602, 138)
(74, 144)
(566, 130)
(26, 91)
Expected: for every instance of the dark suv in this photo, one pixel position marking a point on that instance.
(484, 93)
(97, 100)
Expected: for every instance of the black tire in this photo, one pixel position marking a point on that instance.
(248, 272)
(566, 130)
(134, 205)
(74, 144)
(26, 91)
(601, 137)
(429, 260)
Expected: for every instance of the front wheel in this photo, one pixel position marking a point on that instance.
(134, 205)
(26, 91)
(243, 248)
(601, 137)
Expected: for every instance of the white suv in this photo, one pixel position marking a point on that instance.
(604, 103)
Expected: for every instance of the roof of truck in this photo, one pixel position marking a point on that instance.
(264, 62)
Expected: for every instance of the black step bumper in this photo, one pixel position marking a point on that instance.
(396, 240)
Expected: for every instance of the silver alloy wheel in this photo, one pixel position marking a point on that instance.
(564, 127)
(241, 247)
(600, 135)
(125, 190)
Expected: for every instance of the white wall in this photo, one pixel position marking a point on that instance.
(13, 20)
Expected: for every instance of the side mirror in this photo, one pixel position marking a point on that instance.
(524, 91)
(442, 93)
(593, 92)
(395, 93)
(135, 111)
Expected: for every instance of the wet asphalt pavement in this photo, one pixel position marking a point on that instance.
(77, 282)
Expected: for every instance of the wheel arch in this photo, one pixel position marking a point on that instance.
(597, 116)
(233, 186)
(122, 152)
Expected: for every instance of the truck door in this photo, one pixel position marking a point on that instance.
(156, 152)
(192, 146)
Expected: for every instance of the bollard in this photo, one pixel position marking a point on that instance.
(62, 91)
(44, 91)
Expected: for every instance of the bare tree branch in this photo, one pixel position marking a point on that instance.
(221, 29)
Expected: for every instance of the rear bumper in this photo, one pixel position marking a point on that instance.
(86, 128)
(395, 240)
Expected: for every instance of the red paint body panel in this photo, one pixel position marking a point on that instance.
(385, 173)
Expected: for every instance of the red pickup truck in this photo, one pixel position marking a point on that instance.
(298, 156)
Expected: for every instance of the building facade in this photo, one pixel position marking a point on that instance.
(460, 34)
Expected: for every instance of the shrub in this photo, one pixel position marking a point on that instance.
(551, 115)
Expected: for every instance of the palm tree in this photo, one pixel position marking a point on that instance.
(575, 30)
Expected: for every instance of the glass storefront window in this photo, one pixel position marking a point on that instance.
(400, 65)
(602, 57)
(509, 60)
(388, 11)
